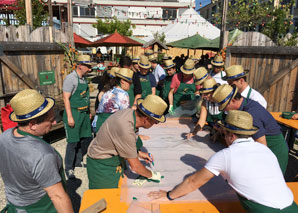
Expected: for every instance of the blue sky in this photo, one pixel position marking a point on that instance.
(204, 2)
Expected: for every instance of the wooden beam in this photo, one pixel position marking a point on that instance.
(273, 79)
(17, 71)
(29, 47)
(28, 6)
(263, 50)
(96, 207)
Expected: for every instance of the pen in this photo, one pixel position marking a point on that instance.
(151, 159)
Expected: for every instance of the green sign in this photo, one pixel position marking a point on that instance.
(46, 77)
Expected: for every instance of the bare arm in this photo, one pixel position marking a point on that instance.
(201, 122)
(153, 90)
(262, 140)
(190, 184)
(136, 98)
(66, 97)
(139, 168)
(59, 198)
(100, 95)
(171, 96)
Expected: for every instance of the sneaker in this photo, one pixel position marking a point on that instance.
(70, 174)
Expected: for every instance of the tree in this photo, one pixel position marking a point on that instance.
(40, 15)
(109, 26)
(252, 15)
(161, 37)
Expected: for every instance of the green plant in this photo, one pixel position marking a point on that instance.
(70, 56)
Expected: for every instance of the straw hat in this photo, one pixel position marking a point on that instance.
(153, 106)
(234, 72)
(148, 52)
(125, 74)
(29, 104)
(85, 59)
(223, 94)
(144, 62)
(218, 61)
(200, 75)
(166, 57)
(188, 67)
(168, 64)
(135, 59)
(209, 85)
(239, 122)
(152, 58)
(112, 72)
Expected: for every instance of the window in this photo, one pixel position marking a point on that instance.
(87, 11)
(75, 11)
(169, 13)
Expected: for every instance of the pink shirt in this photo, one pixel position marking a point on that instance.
(177, 78)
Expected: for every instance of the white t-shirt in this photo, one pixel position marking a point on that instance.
(218, 77)
(252, 170)
(255, 95)
(159, 73)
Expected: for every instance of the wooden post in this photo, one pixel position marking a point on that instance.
(50, 13)
(223, 33)
(28, 6)
(69, 21)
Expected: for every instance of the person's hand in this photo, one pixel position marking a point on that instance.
(157, 194)
(71, 122)
(156, 177)
(189, 135)
(171, 110)
(145, 156)
(90, 116)
(134, 107)
(295, 116)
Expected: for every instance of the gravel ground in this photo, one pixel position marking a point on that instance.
(76, 187)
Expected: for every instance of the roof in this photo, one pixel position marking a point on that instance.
(116, 39)
(155, 41)
(80, 41)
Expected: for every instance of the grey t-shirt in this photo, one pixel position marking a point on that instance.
(28, 165)
(70, 83)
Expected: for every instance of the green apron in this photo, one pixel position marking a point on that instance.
(253, 207)
(44, 204)
(146, 86)
(101, 118)
(184, 92)
(131, 95)
(213, 118)
(166, 89)
(82, 128)
(105, 173)
(278, 145)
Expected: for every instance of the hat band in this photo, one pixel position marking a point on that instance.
(145, 65)
(210, 88)
(84, 62)
(217, 62)
(227, 98)
(127, 78)
(170, 66)
(236, 128)
(111, 75)
(148, 112)
(235, 76)
(187, 69)
(35, 112)
(201, 78)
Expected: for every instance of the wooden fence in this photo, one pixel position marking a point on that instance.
(24, 54)
(273, 72)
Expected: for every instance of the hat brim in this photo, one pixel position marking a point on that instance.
(218, 64)
(50, 105)
(201, 81)
(187, 71)
(170, 66)
(223, 106)
(162, 119)
(124, 77)
(252, 131)
(226, 78)
(145, 67)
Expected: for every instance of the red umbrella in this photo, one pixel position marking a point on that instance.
(7, 2)
(115, 40)
(80, 41)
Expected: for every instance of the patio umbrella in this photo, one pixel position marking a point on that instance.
(116, 40)
(193, 42)
(81, 42)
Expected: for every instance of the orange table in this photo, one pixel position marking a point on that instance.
(112, 197)
(291, 125)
